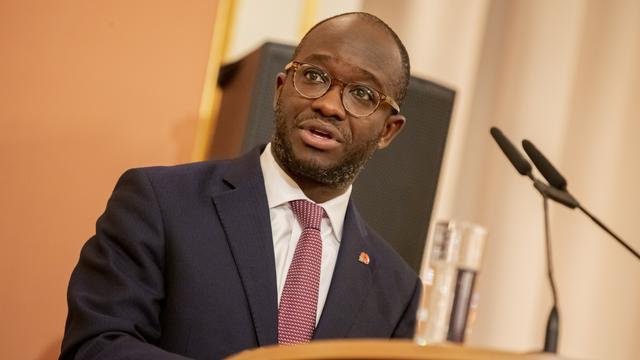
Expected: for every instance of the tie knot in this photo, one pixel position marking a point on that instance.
(309, 215)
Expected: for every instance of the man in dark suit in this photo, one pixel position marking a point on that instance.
(204, 260)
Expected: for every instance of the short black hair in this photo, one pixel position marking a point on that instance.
(402, 84)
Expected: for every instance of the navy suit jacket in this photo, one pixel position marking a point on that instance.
(182, 266)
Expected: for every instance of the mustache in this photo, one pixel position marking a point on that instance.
(346, 134)
(280, 117)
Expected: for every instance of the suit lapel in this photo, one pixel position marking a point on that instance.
(351, 281)
(244, 213)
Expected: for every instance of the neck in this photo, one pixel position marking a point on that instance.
(318, 192)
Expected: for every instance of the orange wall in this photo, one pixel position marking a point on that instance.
(87, 89)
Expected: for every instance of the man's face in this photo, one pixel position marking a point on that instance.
(317, 139)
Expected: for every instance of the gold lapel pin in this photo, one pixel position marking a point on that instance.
(364, 258)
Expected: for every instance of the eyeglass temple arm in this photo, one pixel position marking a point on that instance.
(393, 104)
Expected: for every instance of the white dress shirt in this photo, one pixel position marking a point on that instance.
(285, 228)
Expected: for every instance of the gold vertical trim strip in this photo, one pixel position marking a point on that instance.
(211, 95)
(308, 16)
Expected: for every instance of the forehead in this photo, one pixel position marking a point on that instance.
(354, 49)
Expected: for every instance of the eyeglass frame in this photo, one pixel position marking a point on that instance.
(294, 65)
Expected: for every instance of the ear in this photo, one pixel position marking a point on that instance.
(392, 127)
(281, 78)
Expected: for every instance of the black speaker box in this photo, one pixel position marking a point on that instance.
(396, 190)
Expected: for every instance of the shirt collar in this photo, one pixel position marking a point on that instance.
(281, 189)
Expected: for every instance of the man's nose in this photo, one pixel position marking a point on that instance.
(330, 104)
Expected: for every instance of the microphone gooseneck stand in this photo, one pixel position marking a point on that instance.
(553, 322)
(524, 168)
(557, 191)
(552, 331)
(559, 183)
(609, 231)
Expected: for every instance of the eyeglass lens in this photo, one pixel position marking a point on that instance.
(357, 99)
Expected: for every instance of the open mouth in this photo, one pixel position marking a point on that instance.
(321, 133)
(320, 139)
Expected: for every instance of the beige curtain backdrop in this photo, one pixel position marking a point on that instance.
(565, 75)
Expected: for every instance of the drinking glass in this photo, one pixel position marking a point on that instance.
(449, 299)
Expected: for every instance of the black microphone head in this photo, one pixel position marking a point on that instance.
(547, 170)
(513, 154)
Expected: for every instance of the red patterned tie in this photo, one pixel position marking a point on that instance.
(299, 300)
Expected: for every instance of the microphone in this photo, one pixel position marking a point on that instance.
(558, 182)
(547, 170)
(524, 168)
(515, 157)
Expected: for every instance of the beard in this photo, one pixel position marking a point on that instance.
(339, 175)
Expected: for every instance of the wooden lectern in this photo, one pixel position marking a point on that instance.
(381, 349)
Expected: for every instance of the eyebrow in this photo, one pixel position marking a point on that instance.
(368, 76)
